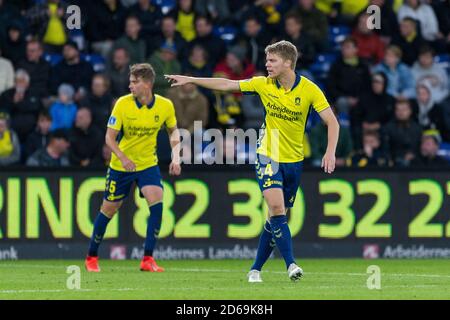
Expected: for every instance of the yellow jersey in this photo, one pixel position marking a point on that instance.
(286, 115)
(139, 126)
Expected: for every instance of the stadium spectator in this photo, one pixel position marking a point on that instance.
(348, 77)
(105, 21)
(72, 70)
(169, 34)
(234, 67)
(99, 101)
(6, 74)
(54, 154)
(424, 14)
(370, 46)
(8, 14)
(213, 44)
(429, 148)
(409, 41)
(197, 62)
(293, 33)
(14, 45)
(318, 142)
(401, 82)
(22, 105)
(401, 136)
(190, 105)
(131, 41)
(38, 69)
(375, 108)
(426, 69)
(430, 114)
(218, 10)
(164, 61)
(150, 17)
(39, 137)
(254, 39)
(118, 72)
(9, 143)
(314, 22)
(63, 110)
(46, 20)
(86, 141)
(272, 12)
(184, 15)
(371, 154)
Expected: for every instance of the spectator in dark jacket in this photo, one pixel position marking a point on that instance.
(105, 23)
(86, 141)
(37, 68)
(118, 72)
(169, 34)
(72, 70)
(409, 40)
(54, 155)
(375, 108)
(99, 101)
(388, 19)
(39, 137)
(348, 78)
(371, 154)
(205, 37)
(402, 135)
(149, 16)
(14, 45)
(429, 152)
(22, 105)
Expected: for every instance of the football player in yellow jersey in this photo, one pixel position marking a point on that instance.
(287, 98)
(131, 134)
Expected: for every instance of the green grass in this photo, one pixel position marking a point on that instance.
(226, 279)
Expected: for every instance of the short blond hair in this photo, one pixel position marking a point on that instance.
(144, 71)
(285, 49)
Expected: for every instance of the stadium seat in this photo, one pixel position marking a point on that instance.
(226, 33)
(444, 61)
(53, 58)
(336, 34)
(444, 150)
(322, 65)
(165, 5)
(96, 60)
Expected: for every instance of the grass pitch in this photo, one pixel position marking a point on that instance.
(226, 279)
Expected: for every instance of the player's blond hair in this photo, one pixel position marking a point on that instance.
(144, 71)
(284, 49)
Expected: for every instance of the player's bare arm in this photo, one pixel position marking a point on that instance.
(209, 83)
(175, 165)
(111, 142)
(329, 159)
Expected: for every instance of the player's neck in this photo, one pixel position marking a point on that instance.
(146, 99)
(287, 80)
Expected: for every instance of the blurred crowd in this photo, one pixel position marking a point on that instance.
(388, 84)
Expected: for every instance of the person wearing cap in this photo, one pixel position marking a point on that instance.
(429, 148)
(54, 154)
(164, 61)
(72, 70)
(9, 142)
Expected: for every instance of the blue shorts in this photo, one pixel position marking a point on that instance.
(286, 176)
(118, 183)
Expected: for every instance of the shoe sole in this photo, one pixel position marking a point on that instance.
(298, 274)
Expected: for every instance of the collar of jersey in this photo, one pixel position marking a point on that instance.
(139, 105)
(296, 82)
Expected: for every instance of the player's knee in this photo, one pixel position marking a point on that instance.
(109, 209)
(277, 209)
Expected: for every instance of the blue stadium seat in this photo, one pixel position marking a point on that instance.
(444, 61)
(322, 65)
(444, 150)
(226, 33)
(336, 34)
(96, 60)
(165, 5)
(53, 58)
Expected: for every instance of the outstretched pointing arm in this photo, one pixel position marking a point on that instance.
(209, 83)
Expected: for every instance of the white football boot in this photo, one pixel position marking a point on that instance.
(254, 276)
(295, 272)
